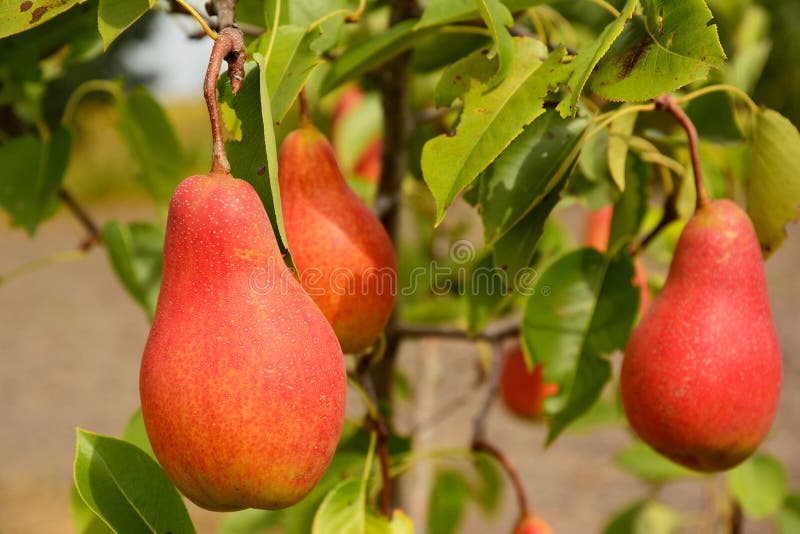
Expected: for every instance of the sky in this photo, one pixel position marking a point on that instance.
(179, 63)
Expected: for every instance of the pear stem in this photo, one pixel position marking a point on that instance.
(229, 46)
(667, 103)
(93, 234)
(305, 117)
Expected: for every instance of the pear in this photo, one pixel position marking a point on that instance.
(702, 371)
(597, 233)
(343, 255)
(242, 380)
(531, 524)
(523, 392)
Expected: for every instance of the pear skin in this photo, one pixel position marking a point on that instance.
(531, 524)
(524, 392)
(242, 381)
(702, 371)
(343, 255)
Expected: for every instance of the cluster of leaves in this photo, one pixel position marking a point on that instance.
(531, 125)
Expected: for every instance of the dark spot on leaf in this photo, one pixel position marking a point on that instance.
(458, 78)
(485, 51)
(261, 170)
(504, 267)
(550, 135)
(25, 6)
(38, 13)
(631, 57)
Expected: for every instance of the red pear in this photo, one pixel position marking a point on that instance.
(702, 371)
(242, 381)
(343, 255)
(531, 524)
(369, 162)
(598, 230)
(523, 391)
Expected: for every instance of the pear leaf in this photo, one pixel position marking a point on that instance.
(760, 485)
(342, 511)
(773, 186)
(116, 16)
(491, 119)
(583, 309)
(497, 17)
(126, 488)
(21, 15)
(590, 54)
(673, 45)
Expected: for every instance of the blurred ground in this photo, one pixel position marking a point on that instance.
(70, 343)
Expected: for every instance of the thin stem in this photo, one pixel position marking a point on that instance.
(719, 87)
(480, 445)
(605, 5)
(198, 17)
(538, 25)
(382, 433)
(93, 234)
(225, 10)
(349, 15)
(667, 103)
(230, 47)
(736, 519)
(53, 259)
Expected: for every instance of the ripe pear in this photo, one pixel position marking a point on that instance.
(369, 162)
(523, 392)
(598, 230)
(343, 255)
(702, 371)
(531, 524)
(242, 381)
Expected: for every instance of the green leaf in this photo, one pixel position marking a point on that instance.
(342, 511)
(247, 155)
(290, 65)
(584, 308)
(491, 120)
(645, 517)
(447, 502)
(136, 433)
(19, 15)
(370, 53)
(488, 491)
(487, 293)
(631, 206)
(31, 172)
(645, 463)
(440, 12)
(515, 252)
(270, 146)
(589, 55)
(400, 524)
(83, 519)
(787, 520)
(618, 133)
(497, 18)
(714, 116)
(135, 251)
(526, 171)
(760, 485)
(126, 488)
(674, 45)
(116, 16)
(148, 132)
(773, 183)
(250, 521)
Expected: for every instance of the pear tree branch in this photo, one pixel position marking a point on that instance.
(479, 441)
(93, 233)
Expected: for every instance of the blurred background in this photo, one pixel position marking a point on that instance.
(71, 338)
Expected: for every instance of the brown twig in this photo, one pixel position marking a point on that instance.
(667, 103)
(479, 442)
(225, 10)
(230, 47)
(736, 524)
(247, 29)
(377, 423)
(492, 335)
(93, 233)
